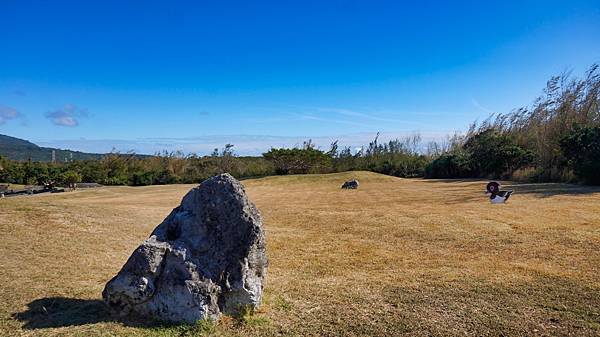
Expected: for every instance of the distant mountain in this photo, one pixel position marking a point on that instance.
(19, 149)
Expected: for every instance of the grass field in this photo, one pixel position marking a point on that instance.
(13, 186)
(396, 257)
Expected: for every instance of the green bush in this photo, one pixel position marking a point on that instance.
(143, 178)
(450, 165)
(494, 154)
(298, 161)
(70, 178)
(581, 147)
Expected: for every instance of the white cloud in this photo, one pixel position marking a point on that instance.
(8, 113)
(67, 116)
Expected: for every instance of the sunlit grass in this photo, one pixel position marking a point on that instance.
(396, 256)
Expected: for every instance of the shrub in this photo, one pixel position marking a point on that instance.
(494, 154)
(298, 161)
(581, 147)
(450, 165)
(71, 178)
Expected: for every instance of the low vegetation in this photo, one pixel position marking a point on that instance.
(131, 169)
(556, 139)
(398, 158)
(397, 256)
(581, 148)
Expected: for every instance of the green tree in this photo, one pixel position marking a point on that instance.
(71, 178)
(5, 170)
(450, 165)
(495, 154)
(299, 161)
(226, 161)
(581, 147)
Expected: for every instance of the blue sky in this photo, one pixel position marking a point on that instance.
(194, 75)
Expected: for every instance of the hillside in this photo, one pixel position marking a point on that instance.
(408, 257)
(19, 149)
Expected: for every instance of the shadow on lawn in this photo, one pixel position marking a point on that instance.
(545, 190)
(540, 190)
(55, 312)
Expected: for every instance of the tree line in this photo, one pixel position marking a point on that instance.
(397, 157)
(130, 169)
(555, 139)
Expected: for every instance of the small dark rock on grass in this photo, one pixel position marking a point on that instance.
(350, 184)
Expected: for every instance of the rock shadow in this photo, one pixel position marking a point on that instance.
(55, 312)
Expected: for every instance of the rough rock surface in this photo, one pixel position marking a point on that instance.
(350, 184)
(207, 257)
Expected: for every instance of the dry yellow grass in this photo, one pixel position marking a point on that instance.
(398, 256)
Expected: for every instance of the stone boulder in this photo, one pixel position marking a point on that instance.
(206, 258)
(350, 184)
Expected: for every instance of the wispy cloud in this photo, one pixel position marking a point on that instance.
(481, 107)
(8, 113)
(68, 116)
(351, 113)
(366, 116)
(313, 117)
(336, 116)
(292, 117)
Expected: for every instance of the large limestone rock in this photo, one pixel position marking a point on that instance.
(207, 257)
